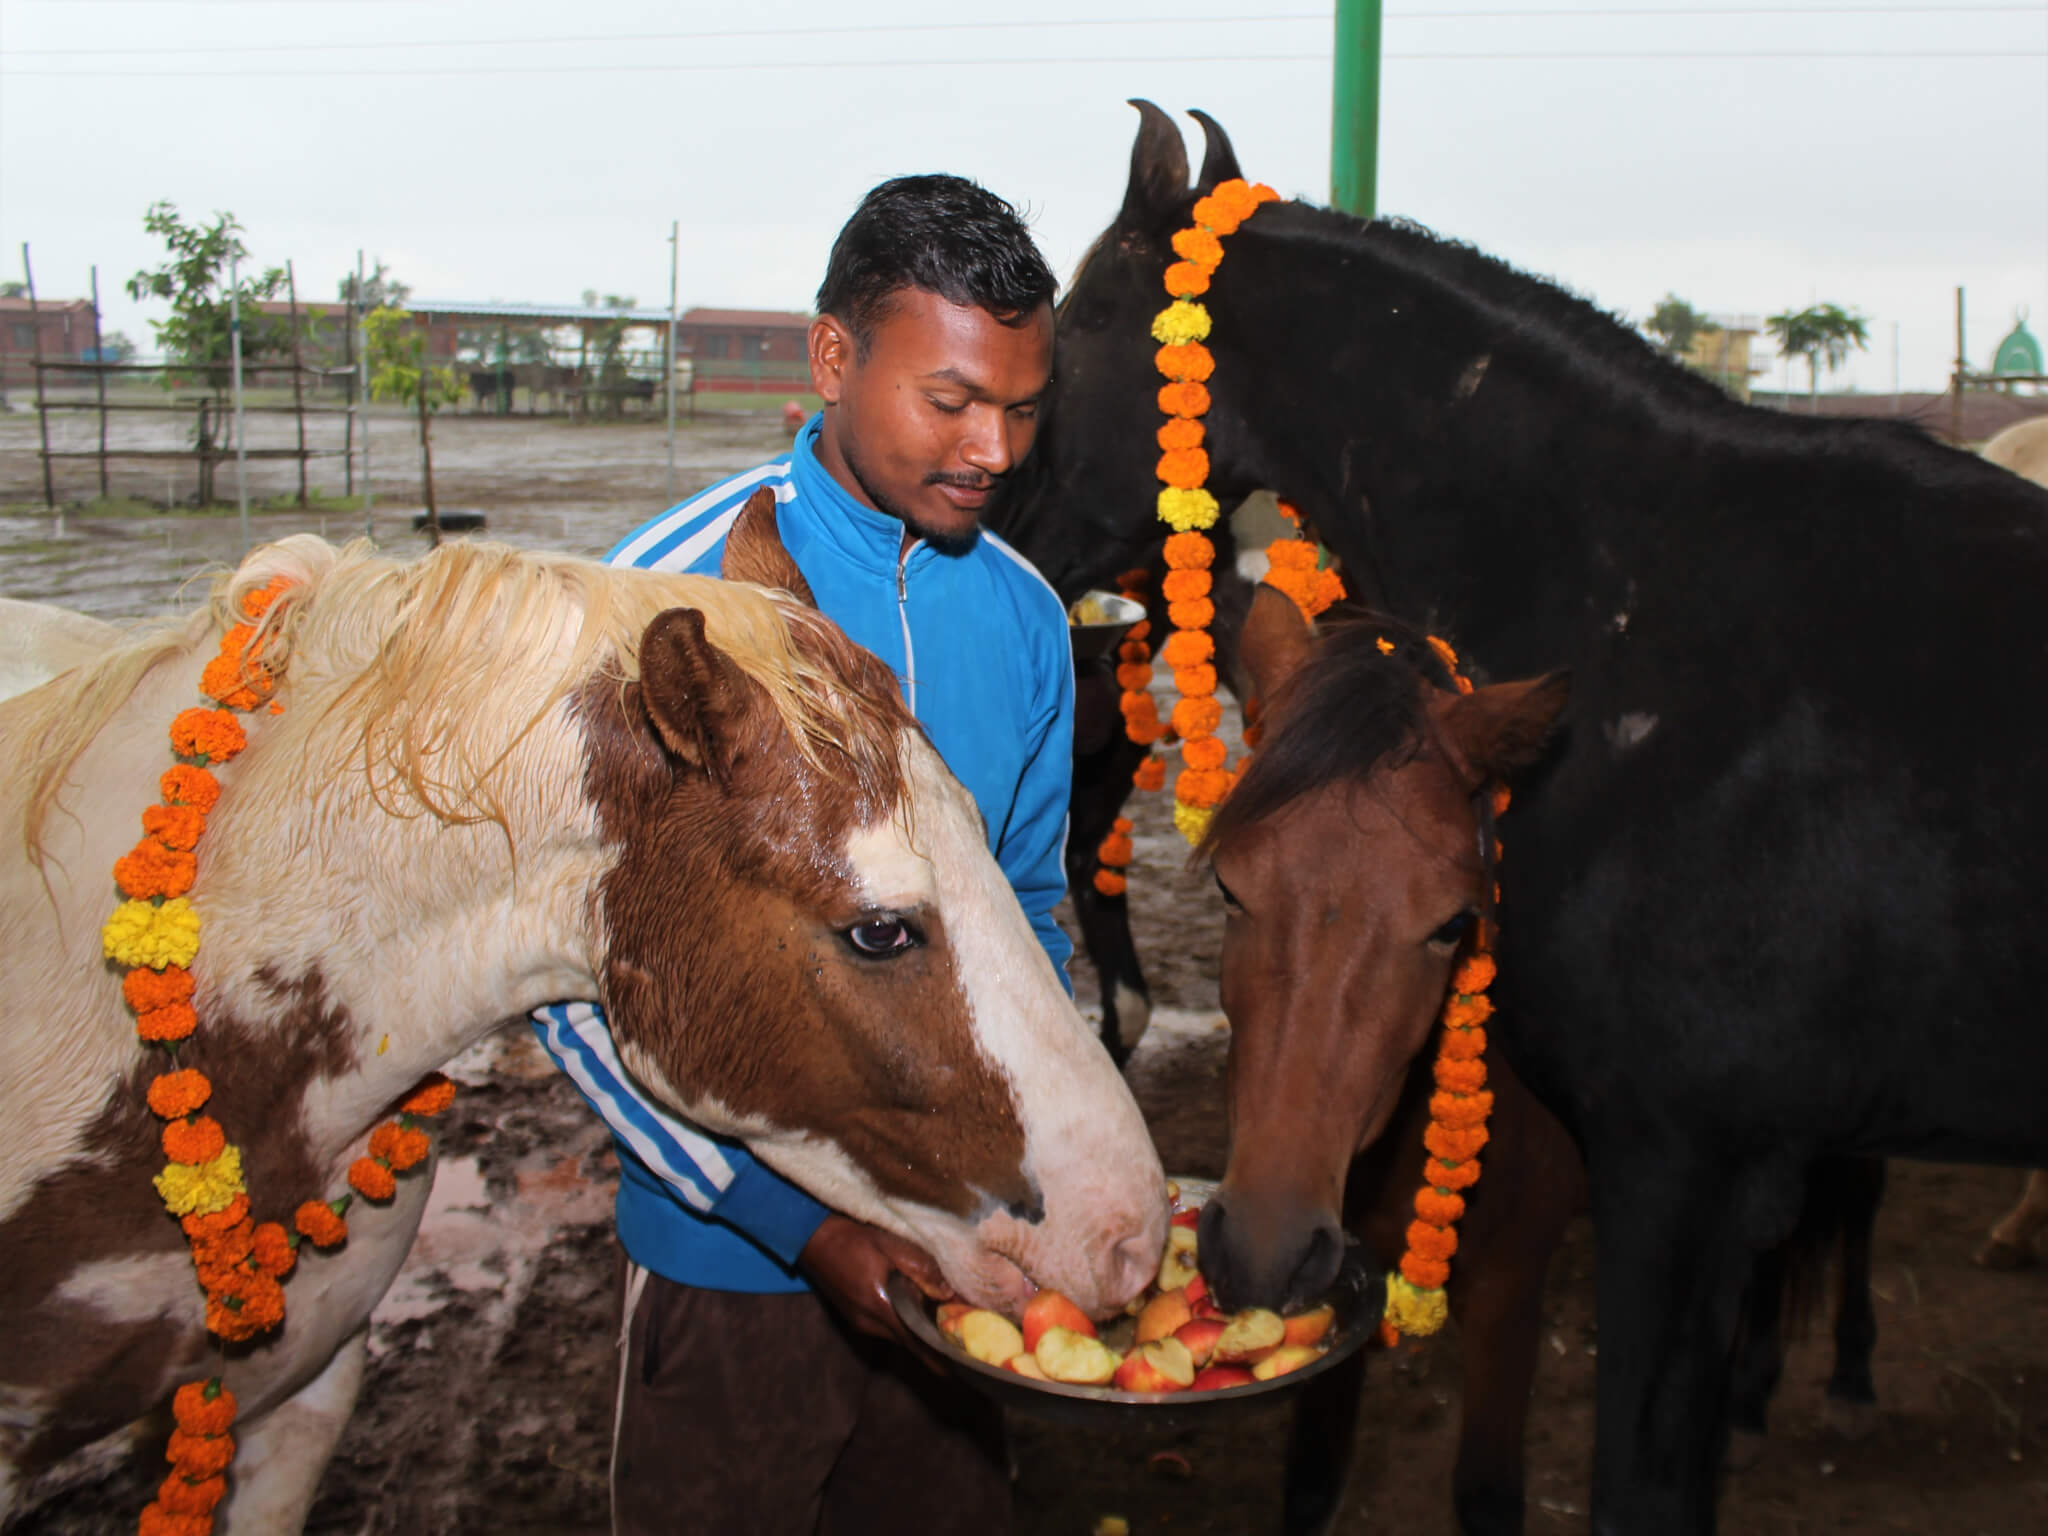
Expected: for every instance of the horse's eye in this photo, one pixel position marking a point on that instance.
(880, 937)
(1452, 933)
(1229, 899)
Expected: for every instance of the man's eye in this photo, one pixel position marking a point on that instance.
(947, 407)
(880, 937)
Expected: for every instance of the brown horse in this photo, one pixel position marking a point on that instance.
(502, 779)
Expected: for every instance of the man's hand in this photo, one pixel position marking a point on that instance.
(849, 1262)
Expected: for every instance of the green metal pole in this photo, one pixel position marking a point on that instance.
(1355, 109)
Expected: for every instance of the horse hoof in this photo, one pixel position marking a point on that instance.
(1745, 1449)
(1850, 1419)
(1999, 1254)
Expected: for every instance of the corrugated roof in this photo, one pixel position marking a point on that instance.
(766, 319)
(22, 305)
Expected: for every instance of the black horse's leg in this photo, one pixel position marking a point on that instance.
(1759, 1359)
(1104, 760)
(1676, 1236)
(1319, 1447)
(1852, 1395)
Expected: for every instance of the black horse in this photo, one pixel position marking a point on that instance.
(1776, 897)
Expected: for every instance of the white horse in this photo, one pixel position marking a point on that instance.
(501, 779)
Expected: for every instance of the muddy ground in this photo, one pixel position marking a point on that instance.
(488, 1402)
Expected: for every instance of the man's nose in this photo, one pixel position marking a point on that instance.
(987, 446)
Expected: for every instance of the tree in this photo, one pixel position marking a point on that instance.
(13, 290)
(610, 341)
(380, 290)
(1676, 325)
(1819, 333)
(398, 371)
(115, 347)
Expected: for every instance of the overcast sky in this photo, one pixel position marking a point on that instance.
(1748, 157)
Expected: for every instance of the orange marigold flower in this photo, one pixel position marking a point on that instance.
(164, 1024)
(1205, 752)
(203, 1408)
(150, 869)
(1474, 975)
(1431, 1242)
(194, 1141)
(244, 1319)
(1137, 632)
(181, 1496)
(1134, 581)
(1133, 676)
(1299, 588)
(1438, 1210)
(1253, 735)
(1141, 718)
(1185, 468)
(175, 826)
(1187, 279)
(318, 1223)
(1195, 682)
(146, 989)
(1179, 432)
(204, 1227)
(1221, 215)
(1288, 510)
(1134, 650)
(1501, 797)
(1197, 614)
(1293, 554)
(1202, 788)
(1455, 1146)
(1424, 1274)
(213, 734)
(258, 599)
(1188, 552)
(371, 1179)
(1187, 648)
(1110, 883)
(409, 1147)
(1187, 361)
(158, 1521)
(1198, 246)
(1261, 193)
(1151, 774)
(1460, 1112)
(1184, 586)
(222, 680)
(1197, 717)
(1462, 1012)
(175, 1094)
(1442, 1175)
(434, 1094)
(1184, 399)
(1444, 653)
(273, 1250)
(1115, 849)
(1460, 1076)
(1463, 1044)
(184, 784)
(199, 1456)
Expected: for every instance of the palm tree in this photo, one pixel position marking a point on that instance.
(1819, 333)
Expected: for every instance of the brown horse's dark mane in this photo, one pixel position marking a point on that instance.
(1348, 711)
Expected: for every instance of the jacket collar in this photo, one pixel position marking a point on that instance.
(825, 513)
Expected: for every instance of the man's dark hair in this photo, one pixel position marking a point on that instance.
(943, 234)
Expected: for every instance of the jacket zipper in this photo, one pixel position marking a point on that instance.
(903, 618)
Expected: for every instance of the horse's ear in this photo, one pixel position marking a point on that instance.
(754, 552)
(1276, 640)
(1159, 169)
(1219, 160)
(696, 699)
(1496, 731)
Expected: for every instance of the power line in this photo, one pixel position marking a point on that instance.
(898, 28)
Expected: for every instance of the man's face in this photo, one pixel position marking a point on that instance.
(943, 405)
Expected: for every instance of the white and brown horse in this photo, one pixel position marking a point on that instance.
(501, 779)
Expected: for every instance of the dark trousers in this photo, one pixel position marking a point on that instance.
(743, 1415)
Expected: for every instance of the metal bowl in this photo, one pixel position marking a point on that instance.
(1359, 1296)
(1100, 636)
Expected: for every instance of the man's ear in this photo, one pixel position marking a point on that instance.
(754, 550)
(698, 702)
(830, 347)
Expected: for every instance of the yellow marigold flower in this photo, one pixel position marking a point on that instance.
(202, 1187)
(141, 934)
(1180, 323)
(1414, 1311)
(1183, 509)
(1191, 821)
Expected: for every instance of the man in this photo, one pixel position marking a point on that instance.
(746, 1403)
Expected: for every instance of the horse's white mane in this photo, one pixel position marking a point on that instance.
(401, 657)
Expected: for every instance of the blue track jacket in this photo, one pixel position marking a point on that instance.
(980, 643)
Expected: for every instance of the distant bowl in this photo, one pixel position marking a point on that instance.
(1098, 622)
(1359, 1297)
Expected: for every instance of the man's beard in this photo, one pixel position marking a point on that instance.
(946, 543)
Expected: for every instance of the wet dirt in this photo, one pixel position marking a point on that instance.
(488, 1400)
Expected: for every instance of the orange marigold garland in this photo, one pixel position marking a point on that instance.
(1114, 855)
(1185, 504)
(1457, 1132)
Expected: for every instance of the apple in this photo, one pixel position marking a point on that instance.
(1076, 1358)
(1163, 1365)
(1177, 1263)
(990, 1337)
(1200, 1299)
(1163, 1316)
(1309, 1327)
(1288, 1357)
(1249, 1337)
(949, 1315)
(1026, 1365)
(1218, 1377)
(1187, 1219)
(1052, 1309)
(1200, 1335)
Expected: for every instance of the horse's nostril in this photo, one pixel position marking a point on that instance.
(1132, 1266)
(1317, 1270)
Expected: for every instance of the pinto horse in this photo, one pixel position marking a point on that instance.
(1769, 901)
(500, 779)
